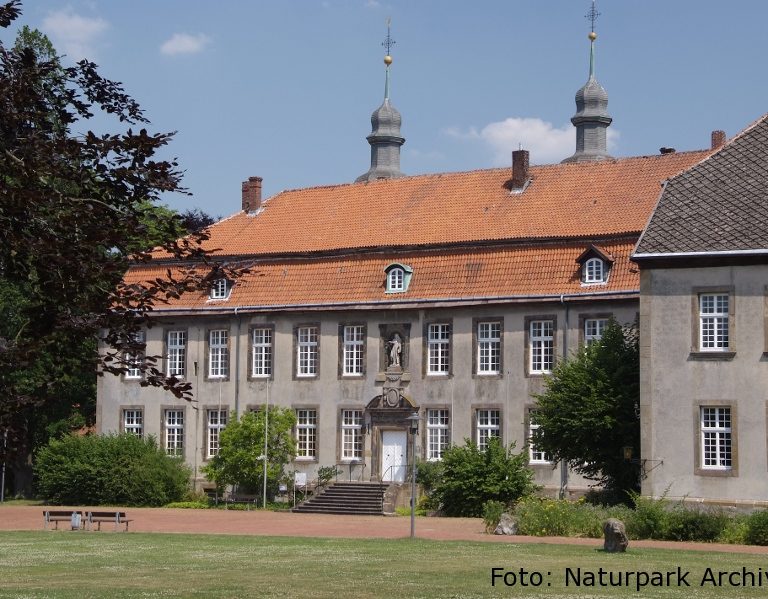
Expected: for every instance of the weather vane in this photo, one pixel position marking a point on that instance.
(388, 42)
(592, 15)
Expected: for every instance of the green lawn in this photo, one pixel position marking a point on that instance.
(79, 564)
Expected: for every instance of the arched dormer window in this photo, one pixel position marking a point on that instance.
(595, 266)
(220, 289)
(594, 271)
(398, 278)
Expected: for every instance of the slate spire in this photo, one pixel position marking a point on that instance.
(385, 138)
(591, 119)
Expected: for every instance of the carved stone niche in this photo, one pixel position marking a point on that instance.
(394, 348)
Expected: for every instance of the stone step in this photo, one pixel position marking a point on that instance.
(346, 498)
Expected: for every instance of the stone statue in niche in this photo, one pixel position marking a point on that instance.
(395, 351)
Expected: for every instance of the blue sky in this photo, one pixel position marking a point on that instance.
(284, 89)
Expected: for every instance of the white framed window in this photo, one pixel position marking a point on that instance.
(174, 432)
(488, 348)
(351, 434)
(220, 289)
(439, 348)
(396, 280)
(713, 322)
(593, 329)
(216, 421)
(535, 456)
(177, 353)
(133, 422)
(353, 350)
(594, 271)
(438, 433)
(134, 359)
(306, 434)
(716, 438)
(306, 348)
(218, 354)
(261, 352)
(541, 346)
(488, 425)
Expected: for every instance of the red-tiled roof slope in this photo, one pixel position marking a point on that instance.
(470, 273)
(563, 200)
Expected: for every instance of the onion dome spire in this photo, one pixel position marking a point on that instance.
(385, 138)
(591, 119)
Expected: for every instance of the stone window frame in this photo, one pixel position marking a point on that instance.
(426, 348)
(476, 409)
(528, 347)
(124, 428)
(316, 427)
(341, 374)
(296, 347)
(209, 349)
(135, 358)
(167, 353)
(164, 409)
(341, 427)
(697, 353)
(584, 317)
(527, 429)
(476, 322)
(699, 468)
(251, 353)
(428, 428)
(207, 455)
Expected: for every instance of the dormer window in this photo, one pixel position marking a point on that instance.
(398, 278)
(595, 266)
(220, 289)
(594, 271)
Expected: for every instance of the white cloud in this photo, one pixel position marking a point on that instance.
(185, 43)
(546, 143)
(73, 34)
(373, 4)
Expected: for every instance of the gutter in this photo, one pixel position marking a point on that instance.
(647, 255)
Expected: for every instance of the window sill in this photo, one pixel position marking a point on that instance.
(488, 375)
(305, 459)
(716, 472)
(704, 356)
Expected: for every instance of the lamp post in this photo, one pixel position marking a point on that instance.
(2, 478)
(413, 420)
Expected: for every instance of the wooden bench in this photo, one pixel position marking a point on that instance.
(57, 516)
(116, 518)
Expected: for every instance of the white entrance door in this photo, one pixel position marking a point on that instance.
(393, 456)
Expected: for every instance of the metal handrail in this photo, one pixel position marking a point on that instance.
(381, 475)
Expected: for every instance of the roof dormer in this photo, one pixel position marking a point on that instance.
(398, 277)
(595, 266)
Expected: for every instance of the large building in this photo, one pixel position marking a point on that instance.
(449, 295)
(704, 329)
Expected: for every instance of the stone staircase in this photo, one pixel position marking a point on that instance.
(359, 498)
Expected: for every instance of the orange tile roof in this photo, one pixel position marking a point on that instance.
(563, 200)
(473, 273)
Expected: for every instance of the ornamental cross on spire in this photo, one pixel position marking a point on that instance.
(388, 42)
(592, 15)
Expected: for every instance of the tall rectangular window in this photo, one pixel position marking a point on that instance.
(306, 433)
(713, 322)
(218, 355)
(261, 352)
(133, 422)
(439, 348)
(593, 329)
(307, 347)
(488, 425)
(217, 420)
(438, 433)
(541, 346)
(353, 350)
(488, 348)
(351, 434)
(716, 438)
(134, 358)
(174, 432)
(177, 353)
(535, 456)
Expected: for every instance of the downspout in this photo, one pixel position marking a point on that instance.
(563, 463)
(237, 364)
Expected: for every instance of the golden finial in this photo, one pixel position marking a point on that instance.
(387, 60)
(592, 36)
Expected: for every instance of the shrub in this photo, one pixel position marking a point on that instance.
(552, 517)
(648, 520)
(735, 531)
(757, 528)
(472, 476)
(326, 474)
(109, 470)
(492, 511)
(684, 524)
(188, 505)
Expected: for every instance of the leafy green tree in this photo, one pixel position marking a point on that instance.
(241, 450)
(589, 411)
(471, 476)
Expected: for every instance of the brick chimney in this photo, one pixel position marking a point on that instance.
(520, 159)
(251, 194)
(718, 139)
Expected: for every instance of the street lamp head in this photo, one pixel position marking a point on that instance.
(413, 421)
